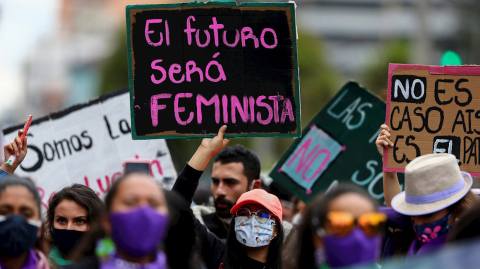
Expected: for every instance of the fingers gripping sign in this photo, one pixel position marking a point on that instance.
(384, 139)
(208, 148)
(214, 145)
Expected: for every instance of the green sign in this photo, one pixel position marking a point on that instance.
(337, 146)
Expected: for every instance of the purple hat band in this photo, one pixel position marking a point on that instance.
(437, 196)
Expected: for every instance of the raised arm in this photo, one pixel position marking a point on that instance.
(16, 148)
(186, 185)
(187, 180)
(391, 186)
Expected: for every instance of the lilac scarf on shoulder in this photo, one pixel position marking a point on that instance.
(116, 262)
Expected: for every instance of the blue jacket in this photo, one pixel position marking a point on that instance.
(3, 174)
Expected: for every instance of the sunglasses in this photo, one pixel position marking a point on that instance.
(262, 215)
(343, 223)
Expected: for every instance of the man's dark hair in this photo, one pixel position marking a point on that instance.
(239, 154)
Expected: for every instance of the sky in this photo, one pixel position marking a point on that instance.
(22, 23)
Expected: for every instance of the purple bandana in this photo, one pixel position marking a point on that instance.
(138, 232)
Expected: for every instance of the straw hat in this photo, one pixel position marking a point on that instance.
(432, 182)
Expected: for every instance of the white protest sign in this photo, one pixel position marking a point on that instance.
(87, 144)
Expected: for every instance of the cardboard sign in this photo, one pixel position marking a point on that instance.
(338, 146)
(87, 144)
(433, 109)
(196, 66)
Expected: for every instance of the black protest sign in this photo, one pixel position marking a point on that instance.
(196, 66)
(338, 146)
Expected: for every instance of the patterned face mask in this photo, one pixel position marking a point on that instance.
(429, 231)
(252, 233)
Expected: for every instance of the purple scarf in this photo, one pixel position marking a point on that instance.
(116, 262)
(30, 263)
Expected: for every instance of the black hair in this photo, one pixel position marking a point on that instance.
(299, 243)
(239, 154)
(13, 180)
(236, 252)
(84, 196)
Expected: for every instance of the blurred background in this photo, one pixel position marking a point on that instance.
(56, 53)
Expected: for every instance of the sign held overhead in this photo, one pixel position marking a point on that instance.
(196, 66)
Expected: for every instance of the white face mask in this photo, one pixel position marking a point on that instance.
(252, 233)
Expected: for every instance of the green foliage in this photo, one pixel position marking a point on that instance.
(375, 76)
(115, 69)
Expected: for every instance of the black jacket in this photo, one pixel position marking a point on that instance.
(216, 225)
(213, 248)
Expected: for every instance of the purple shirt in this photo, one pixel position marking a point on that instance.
(30, 263)
(116, 262)
(396, 220)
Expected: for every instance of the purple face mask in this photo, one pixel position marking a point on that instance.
(354, 249)
(138, 232)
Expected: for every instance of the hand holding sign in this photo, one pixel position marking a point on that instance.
(15, 148)
(383, 139)
(214, 145)
(208, 148)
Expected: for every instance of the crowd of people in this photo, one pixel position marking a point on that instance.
(140, 225)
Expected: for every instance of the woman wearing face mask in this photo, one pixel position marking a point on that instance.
(71, 212)
(135, 226)
(256, 237)
(341, 228)
(136, 222)
(436, 194)
(20, 225)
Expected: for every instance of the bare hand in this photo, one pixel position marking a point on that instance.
(383, 139)
(16, 148)
(214, 145)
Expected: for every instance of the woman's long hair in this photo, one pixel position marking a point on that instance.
(81, 195)
(299, 248)
(236, 252)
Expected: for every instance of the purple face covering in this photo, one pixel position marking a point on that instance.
(138, 232)
(354, 249)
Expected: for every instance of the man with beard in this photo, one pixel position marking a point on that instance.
(235, 171)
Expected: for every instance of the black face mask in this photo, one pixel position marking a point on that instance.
(66, 239)
(17, 235)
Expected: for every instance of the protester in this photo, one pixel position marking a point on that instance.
(137, 220)
(16, 148)
(257, 238)
(235, 170)
(298, 211)
(20, 225)
(338, 229)
(436, 194)
(71, 212)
